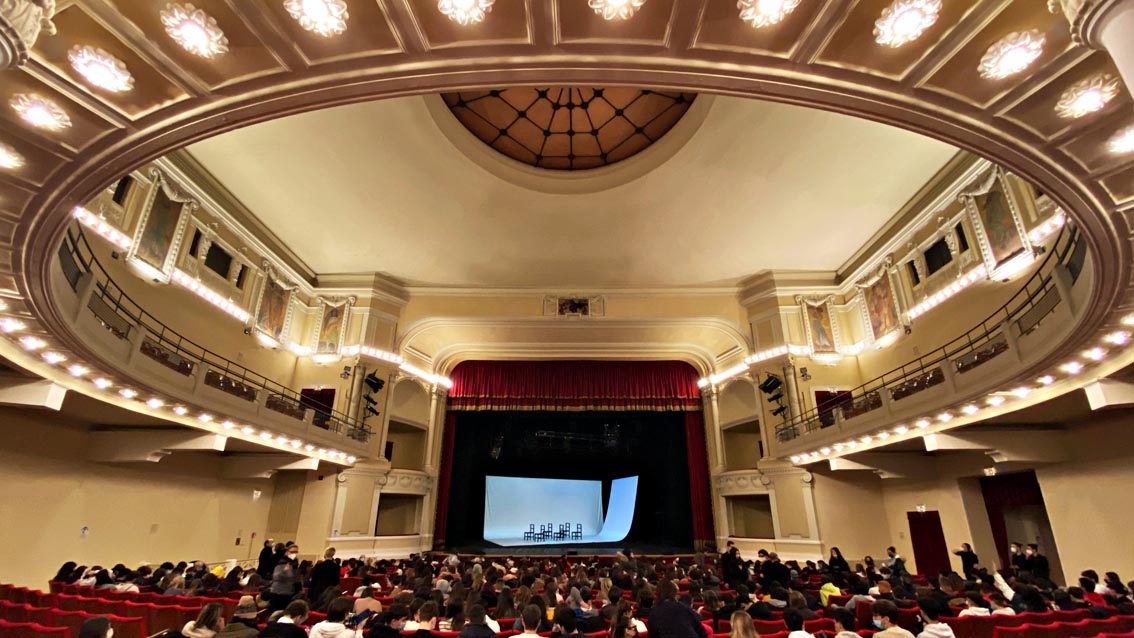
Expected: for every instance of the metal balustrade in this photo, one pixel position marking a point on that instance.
(123, 318)
(1033, 302)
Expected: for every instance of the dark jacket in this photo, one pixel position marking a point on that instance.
(324, 574)
(477, 631)
(282, 630)
(671, 619)
(267, 562)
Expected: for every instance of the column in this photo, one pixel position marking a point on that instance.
(435, 433)
(1105, 25)
(354, 397)
(791, 390)
(340, 504)
(373, 523)
(713, 423)
(384, 430)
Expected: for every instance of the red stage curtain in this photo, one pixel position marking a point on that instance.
(699, 498)
(444, 477)
(575, 385)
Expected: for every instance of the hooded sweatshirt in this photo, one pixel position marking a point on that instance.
(326, 629)
(937, 630)
(974, 611)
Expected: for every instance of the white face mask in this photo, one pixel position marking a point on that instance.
(292, 556)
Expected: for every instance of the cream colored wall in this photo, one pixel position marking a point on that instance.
(398, 514)
(410, 403)
(287, 505)
(1085, 497)
(409, 448)
(742, 448)
(356, 515)
(137, 513)
(851, 514)
(751, 517)
(318, 507)
(791, 508)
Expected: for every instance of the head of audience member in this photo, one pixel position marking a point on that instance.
(564, 620)
(844, 619)
(796, 600)
(530, 618)
(97, 627)
(64, 573)
(427, 615)
(339, 609)
(667, 590)
(211, 617)
(793, 619)
(246, 611)
(885, 614)
(742, 626)
(998, 601)
(931, 609)
(395, 616)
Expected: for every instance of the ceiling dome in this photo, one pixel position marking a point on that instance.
(569, 128)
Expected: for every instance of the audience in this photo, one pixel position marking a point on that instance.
(931, 612)
(886, 621)
(208, 622)
(286, 624)
(742, 626)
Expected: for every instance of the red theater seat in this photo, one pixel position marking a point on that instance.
(16, 629)
(50, 632)
(762, 626)
(822, 624)
(128, 627)
(1012, 632)
(70, 619)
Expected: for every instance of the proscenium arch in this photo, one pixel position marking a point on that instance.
(77, 179)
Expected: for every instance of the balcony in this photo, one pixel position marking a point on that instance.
(1019, 334)
(123, 335)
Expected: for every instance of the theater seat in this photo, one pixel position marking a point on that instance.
(128, 627)
(762, 626)
(1012, 632)
(69, 619)
(39, 631)
(822, 624)
(16, 629)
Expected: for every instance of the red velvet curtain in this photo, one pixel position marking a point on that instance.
(699, 499)
(444, 477)
(575, 386)
(1002, 493)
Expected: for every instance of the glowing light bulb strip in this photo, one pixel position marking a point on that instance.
(428, 377)
(185, 280)
(101, 227)
(373, 353)
(947, 292)
(1047, 228)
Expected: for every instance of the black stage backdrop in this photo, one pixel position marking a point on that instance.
(576, 445)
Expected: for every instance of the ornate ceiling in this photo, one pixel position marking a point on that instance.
(569, 128)
(823, 54)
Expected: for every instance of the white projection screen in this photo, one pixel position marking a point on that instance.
(513, 504)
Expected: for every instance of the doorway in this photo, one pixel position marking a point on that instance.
(931, 554)
(1018, 514)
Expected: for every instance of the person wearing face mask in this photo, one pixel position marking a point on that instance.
(886, 621)
(389, 624)
(1038, 562)
(1015, 551)
(283, 580)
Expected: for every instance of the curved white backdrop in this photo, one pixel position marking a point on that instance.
(513, 504)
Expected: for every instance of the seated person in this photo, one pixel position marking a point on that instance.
(931, 612)
(476, 625)
(886, 620)
(794, 621)
(287, 623)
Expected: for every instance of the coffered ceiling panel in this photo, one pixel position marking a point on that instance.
(77, 27)
(509, 22)
(722, 29)
(1120, 186)
(853, 43)
(38, 158)
(85, 127)
(368, 33)
(651, 25)
(1037, 112)
(959, 75)
(1089, 150)
(247, 56)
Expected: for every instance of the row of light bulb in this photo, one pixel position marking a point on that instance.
(31, 343)
(1071, 368)
(108, 232)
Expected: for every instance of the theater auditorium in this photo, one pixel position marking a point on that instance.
(480, 318)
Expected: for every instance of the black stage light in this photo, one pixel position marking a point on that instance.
(369, 400)
(771, 384)
(775, 397)
(779, 411)
(373, 382)
(371, 411)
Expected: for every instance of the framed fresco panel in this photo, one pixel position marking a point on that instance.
(273, 314)
(996, 218)
(822, 335)
(161, 226)
(331, 329)
(880, 305)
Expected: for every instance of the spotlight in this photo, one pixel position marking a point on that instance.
(779, 411)
(804, 374)
(369, 400)
(345, 374)
(771, 384)
(371, 411)
(374, 383)
(776, 397)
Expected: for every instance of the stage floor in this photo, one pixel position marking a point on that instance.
(558, 549)
(520, 542)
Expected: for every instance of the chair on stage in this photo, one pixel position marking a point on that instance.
(577, 535)
(530, 534)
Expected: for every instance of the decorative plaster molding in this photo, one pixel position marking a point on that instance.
(21, 23)
(406, 482)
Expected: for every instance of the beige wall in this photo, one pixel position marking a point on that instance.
(136, 513)
(359, 497)
(751, 516)
(399, 514)
(1086, 497)
(409, 447)
(742, 447)
(851, 514)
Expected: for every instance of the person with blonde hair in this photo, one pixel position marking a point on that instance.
(742, 626)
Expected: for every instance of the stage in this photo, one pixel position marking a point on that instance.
(486, 548)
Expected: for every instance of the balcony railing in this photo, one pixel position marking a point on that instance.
(123, 318)
(1023, 313)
